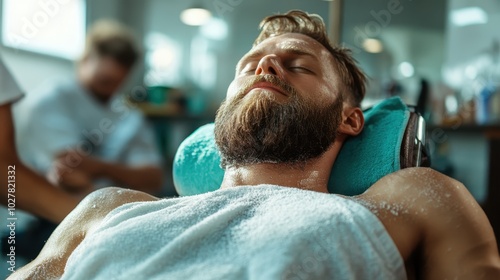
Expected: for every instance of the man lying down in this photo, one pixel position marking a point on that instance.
(294, 100)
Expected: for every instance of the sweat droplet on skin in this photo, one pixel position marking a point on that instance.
(309, 181)
(383, 206)
(394, 212)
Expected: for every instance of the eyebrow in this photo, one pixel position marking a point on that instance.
(288, 50)
(300, 52)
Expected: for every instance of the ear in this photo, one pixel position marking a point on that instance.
(352, 121)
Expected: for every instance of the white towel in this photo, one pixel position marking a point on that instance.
(248, 232)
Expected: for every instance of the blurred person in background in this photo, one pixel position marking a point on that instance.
(81, 133)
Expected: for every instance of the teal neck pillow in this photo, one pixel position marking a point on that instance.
(362, 161)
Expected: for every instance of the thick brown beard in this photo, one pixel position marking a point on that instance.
(258, 129)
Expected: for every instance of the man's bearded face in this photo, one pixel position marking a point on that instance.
(256, 128)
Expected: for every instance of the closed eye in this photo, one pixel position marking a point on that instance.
(301, 69)
(248, 69)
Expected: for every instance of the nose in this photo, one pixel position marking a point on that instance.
(269, 64)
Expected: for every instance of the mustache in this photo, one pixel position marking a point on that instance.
(268, 78)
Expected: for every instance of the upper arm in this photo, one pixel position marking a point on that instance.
(442, 219)
(73, 229)
(459, 241)
(7, 145)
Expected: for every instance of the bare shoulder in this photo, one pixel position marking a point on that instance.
(421, 191)
(415, 180)
(69, 234)
(424, 209)
(398, 201)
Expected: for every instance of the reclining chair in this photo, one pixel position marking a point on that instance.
(393, 138)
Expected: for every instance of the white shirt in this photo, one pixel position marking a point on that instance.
(9, 89)
(61, 115)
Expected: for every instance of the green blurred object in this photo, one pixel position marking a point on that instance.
(158, 94)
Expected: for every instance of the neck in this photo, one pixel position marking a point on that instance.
(311, 175)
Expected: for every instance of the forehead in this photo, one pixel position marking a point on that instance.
(290, 42)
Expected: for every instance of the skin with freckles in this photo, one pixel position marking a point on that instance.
(432, 219)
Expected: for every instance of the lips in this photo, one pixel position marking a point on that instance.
(267, 86)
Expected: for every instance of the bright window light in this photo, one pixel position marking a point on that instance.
(203, 63)
(215, 29)
(163, 60)
(469, 16)
(373, 45)
(53, 27)
(195, 16)
(406, 69)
